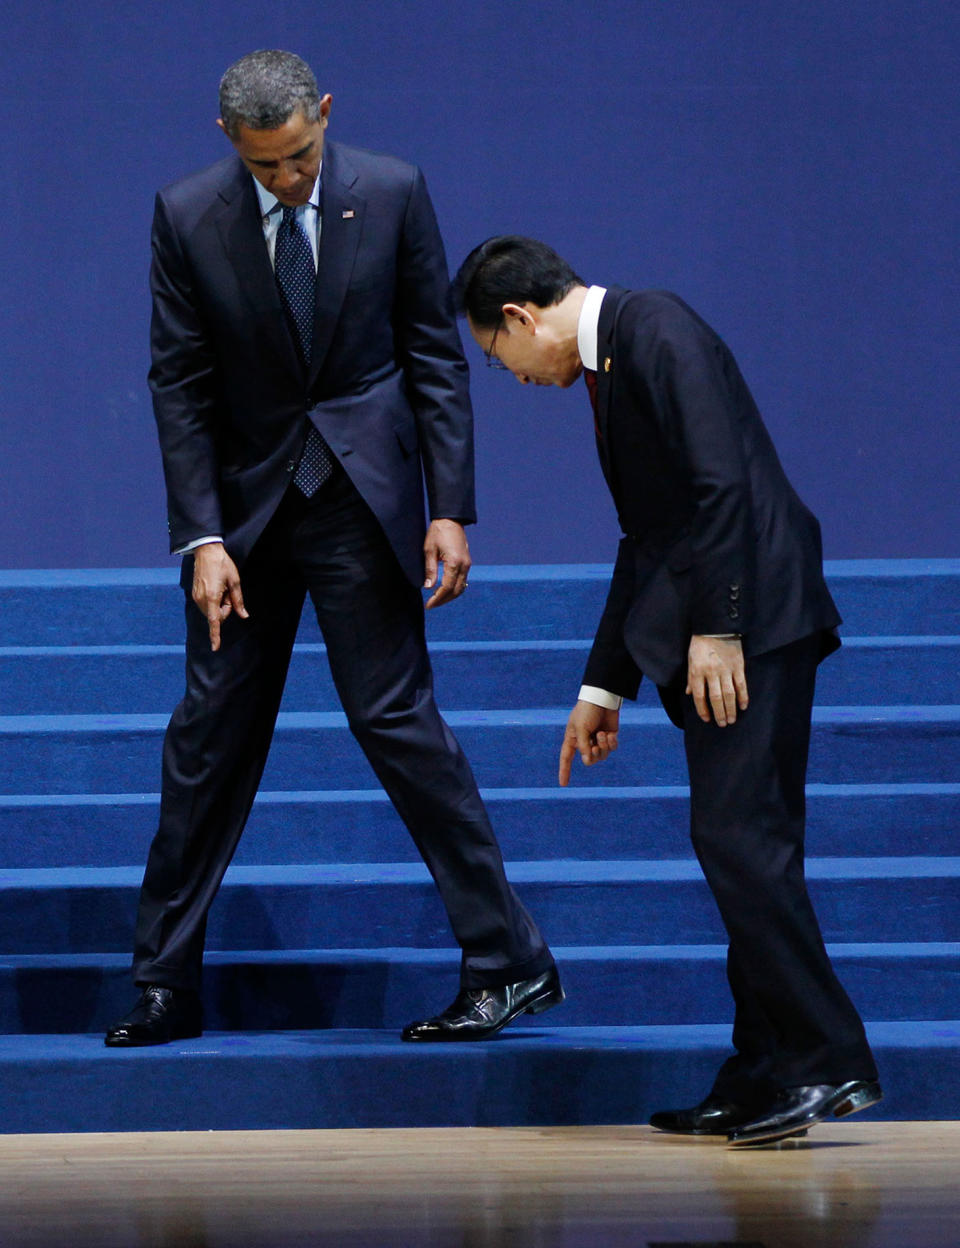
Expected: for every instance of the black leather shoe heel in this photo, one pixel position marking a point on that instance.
(547, 1001)
(862, 1097)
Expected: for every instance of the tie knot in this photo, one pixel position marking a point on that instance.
(289, 215)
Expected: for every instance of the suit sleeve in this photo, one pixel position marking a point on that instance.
(700, 399)
(432, 359)
(183, 381)
(610, 665)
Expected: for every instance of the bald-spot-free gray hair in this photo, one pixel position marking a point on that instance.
(263, 89)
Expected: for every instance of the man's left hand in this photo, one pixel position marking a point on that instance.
(716, 678)
(592, 733)
(446, 543)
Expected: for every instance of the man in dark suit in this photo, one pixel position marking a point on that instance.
(307, 375)
(718, 596)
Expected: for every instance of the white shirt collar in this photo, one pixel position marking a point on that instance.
(588, 327)
(269, 201)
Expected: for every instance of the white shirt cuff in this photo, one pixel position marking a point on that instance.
(600, 697)
(197, 541)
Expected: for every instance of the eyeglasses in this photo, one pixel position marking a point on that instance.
(492, 360)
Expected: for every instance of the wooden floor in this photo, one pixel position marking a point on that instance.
(893, 1185)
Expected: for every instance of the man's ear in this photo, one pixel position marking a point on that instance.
(519, 318)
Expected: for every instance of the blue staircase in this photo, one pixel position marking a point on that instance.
(328, 936)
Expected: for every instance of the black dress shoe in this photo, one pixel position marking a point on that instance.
(161, 1015)
(796, 1109)
(478, 1013)
(713, 1116)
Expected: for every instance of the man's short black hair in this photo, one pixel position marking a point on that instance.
(263, 89)
(510, 269)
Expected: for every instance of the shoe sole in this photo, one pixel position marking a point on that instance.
(848, 1103)
(693, 1134)
(117, 1043)
(698, 1132)
(704, 1132)
(779, 1138)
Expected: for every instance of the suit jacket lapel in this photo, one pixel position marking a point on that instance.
(343, 212)
(241, 230)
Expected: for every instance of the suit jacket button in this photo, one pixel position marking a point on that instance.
(733, 612)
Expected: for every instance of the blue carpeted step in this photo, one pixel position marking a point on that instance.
(114, 829)
(520, 603)
(79, 607)
(541, 1076)
(896, 595)
(118, 753)
(518, 639)
(608, 985)
(90, 606)
(149, 679)
(89, 909)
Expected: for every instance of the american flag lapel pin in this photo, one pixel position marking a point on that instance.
(348, 214)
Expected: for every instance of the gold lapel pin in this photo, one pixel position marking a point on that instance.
(606, 364)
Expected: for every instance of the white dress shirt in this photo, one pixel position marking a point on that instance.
(310, 218)
(588, 327)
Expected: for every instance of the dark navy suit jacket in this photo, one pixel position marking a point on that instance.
(717, 540)
(387, 385)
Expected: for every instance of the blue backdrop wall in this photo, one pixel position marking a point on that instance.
(789, 168)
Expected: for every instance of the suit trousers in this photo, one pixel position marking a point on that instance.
(794, 1023)
(216, 745)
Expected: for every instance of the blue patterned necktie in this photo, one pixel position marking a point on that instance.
(297, 280)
